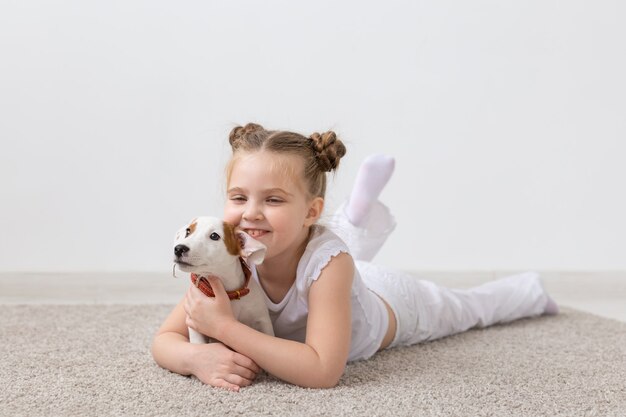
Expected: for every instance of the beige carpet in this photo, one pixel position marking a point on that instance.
(95, 360)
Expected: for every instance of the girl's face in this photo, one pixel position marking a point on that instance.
(268, 204)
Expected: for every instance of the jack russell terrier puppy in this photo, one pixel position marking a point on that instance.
(210, 246)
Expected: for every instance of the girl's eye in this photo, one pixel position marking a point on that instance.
(274, 200)
(214, 236)
(238, 198)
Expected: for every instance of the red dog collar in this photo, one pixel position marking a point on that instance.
(205, 287)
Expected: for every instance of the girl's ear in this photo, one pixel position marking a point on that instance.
(315, 211)
(251, 250)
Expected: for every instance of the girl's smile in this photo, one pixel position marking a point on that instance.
(256, 233)
(266, 198)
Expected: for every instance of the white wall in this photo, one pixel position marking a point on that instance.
(507, 119)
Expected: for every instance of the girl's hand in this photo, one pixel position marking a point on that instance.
(207, 314)
(218, 366)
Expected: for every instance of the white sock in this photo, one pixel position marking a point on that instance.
(373, 174)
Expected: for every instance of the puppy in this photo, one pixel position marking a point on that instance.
(210, 246)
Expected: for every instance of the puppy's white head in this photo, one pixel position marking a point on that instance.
(208, 244)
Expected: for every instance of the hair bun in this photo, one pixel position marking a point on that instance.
(328, 149)
(238, 134)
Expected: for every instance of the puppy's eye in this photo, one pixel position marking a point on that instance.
(214, 236)
(187, 232)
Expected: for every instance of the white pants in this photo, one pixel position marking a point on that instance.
(425, 311)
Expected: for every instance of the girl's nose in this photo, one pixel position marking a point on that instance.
(252, 212)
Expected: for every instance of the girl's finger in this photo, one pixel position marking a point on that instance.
(218, 287)
(246, 362)
(194, 292)
(186, 304)
(244, 372)
(191, 298)
(221, 383)
(237, 380)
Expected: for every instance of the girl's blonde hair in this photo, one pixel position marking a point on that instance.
(320, 152)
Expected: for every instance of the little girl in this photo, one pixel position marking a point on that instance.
(327, 303)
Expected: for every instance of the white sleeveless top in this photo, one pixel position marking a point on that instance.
(289, 316)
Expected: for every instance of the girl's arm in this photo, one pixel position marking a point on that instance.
(213, 363)
(317, 363)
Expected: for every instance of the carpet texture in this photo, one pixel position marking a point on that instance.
(95, 360)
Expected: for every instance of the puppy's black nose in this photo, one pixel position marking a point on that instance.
(179, 250)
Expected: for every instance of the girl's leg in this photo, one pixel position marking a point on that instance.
(364, 223)
(426, 311)
(450, 311)
(552, 307)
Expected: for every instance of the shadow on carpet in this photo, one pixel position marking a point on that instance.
(95, 360)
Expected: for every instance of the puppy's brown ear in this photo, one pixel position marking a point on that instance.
(231, 239)
(192, 226)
